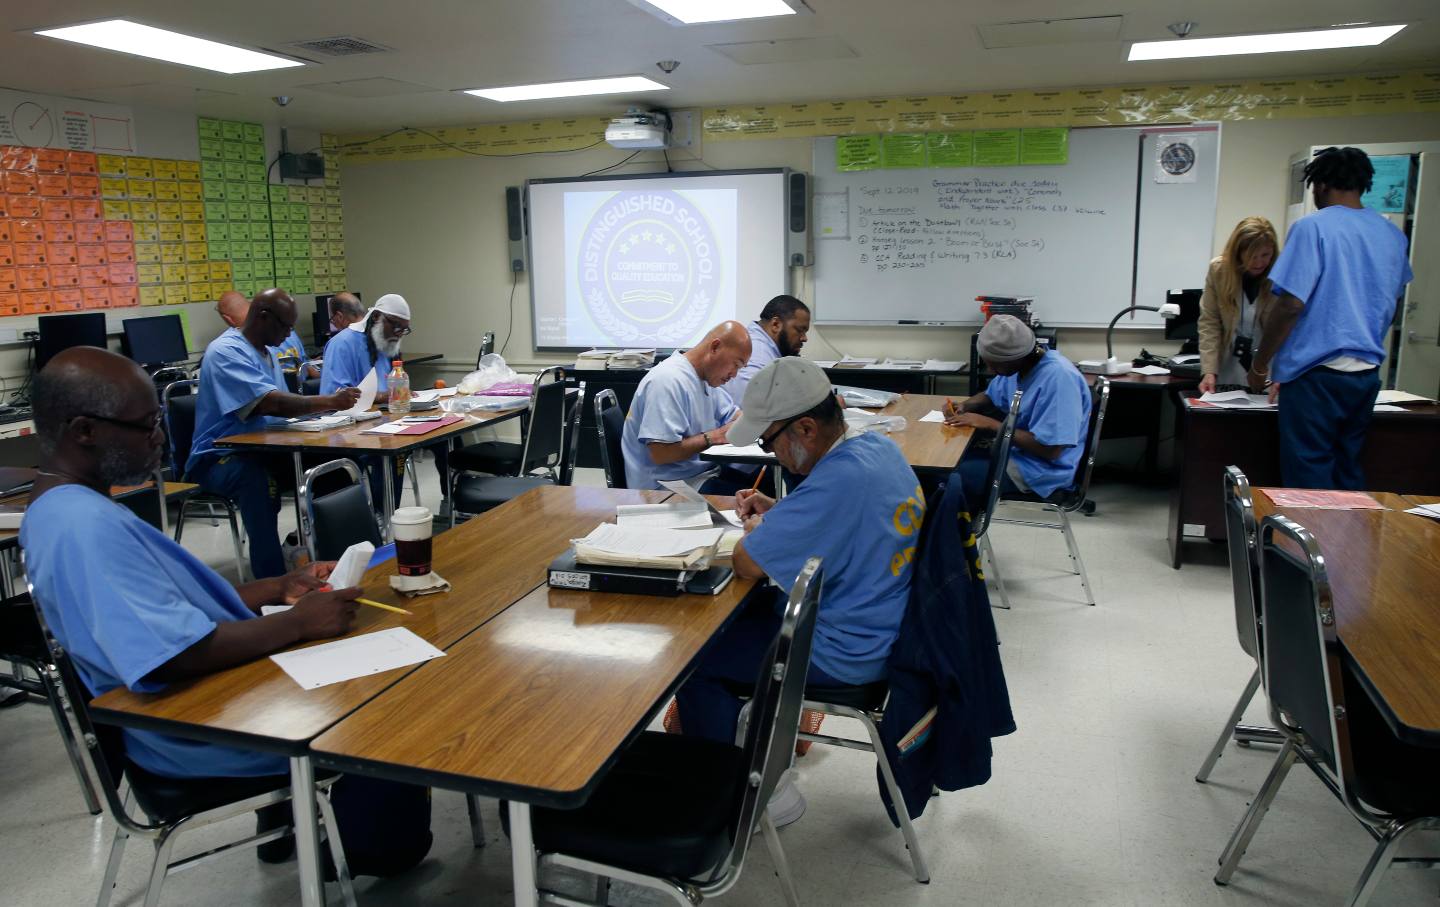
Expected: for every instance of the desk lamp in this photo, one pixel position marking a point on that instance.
(1112, 366)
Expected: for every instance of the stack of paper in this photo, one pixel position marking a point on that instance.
(1237, 400)
(684, 515)
(429, 396)
(1393, 397)
(632, 359)
(660, 549)
(1430, 510)
(855, 361)
(730, 450)
(941, 365)
(320, 423)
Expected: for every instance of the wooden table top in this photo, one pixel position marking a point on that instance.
(173, 490)
(490, 562)
(353, 437)
(931, 446)
(1159, 382)
(536, 704)
(1384, 568)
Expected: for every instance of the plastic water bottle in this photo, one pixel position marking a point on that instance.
(398, 384)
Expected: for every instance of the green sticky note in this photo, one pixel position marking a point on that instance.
(217, 231)
(253, 132)
(1044, 146)
(209, 128)
(283, 269)
(261, 229)
(254, 154)
(239, 251)
(216, 211)
(212, 150)
(278, 193)
(997, 147)
(219, 249)
(212, 170)
(232, 131)
(255, 173)
(300, 231)
(901, 150)
(234, 151)
(255, 192)
(950, 149)
(259, 249)
(242, 271)
(263, 268)
(214, 191)
(857, 152)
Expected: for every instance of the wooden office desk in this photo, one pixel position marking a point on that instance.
(1399, 456)
(173, 491)
(1384, 569)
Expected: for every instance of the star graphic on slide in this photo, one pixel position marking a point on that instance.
(648, 235)
(624, 249)
(670, 249)
(635, 239)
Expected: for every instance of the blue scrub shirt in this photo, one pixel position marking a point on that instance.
(1055, 408)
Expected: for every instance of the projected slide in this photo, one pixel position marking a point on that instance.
(652, 262)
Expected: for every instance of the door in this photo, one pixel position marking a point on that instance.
(1418, 367)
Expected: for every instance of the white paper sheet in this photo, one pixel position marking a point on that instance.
(367, 394)
(267, 610)
(730, 450)
(351, 566)
(426, 396)
(684, 489)
(732, 517)
(358, 656)
(1150, 370)
(941, 365)
(387, 428)
(1401, 397)
(686, 515)
(934, 415)
(858, 360)
(644, 542)
(1430, 510)
(1238, 400)
(1388, 408)
(825, 363)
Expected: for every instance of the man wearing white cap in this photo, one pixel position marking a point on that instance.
(1054, 411)
(859, 510)
(370, 343)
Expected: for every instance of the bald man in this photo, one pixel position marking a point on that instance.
(242, 389)
(136, 610)
(680, 409)
(345, 310)
(232, 307)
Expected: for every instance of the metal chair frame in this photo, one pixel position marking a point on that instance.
(1326, 750)
(307, 495)
(208, 499)
(164, 834)
(606, 400)
(999, 462)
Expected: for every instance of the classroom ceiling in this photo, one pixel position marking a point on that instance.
(843, 49)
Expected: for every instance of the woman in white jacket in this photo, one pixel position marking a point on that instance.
(1236, 303)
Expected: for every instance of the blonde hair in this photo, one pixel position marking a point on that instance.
(1250, 235)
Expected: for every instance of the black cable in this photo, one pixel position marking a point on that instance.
(668, 168)
(514, 279)
(612, 166)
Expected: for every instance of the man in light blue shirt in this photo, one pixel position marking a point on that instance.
(242, 390)
(1054, 414)
(781, 330)
(1336, 284)
(370, 344)
(681, 408)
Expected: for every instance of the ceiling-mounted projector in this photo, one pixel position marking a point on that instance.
(640, 129)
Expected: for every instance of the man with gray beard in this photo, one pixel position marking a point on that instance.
(369, 344)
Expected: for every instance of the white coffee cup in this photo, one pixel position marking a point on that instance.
(412, 528)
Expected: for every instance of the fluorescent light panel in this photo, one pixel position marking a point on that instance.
(574, 89)
(1280, 42)
(172, 47)
(694, 12)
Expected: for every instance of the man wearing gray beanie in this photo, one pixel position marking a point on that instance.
(1054, 412)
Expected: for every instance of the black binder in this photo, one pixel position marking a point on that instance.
(565, 573)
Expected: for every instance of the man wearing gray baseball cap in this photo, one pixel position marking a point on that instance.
(859, 510)
(1054, 412)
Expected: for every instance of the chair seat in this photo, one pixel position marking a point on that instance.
(666, 808)
(1059, 498)
(494, 457)
(867, 697)
(477, 494)
(20, 634)
(168, 800)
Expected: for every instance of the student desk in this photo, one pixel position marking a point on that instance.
(894, 380)
(1399, 456)
(1384, 568)
(1138, 408)
(490, 561)
(536, 705)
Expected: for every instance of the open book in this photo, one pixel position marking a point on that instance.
(660, 549)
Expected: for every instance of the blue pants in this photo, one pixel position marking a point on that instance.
(973, 470)
(1324, 415)
(709, 704)
(246, 481)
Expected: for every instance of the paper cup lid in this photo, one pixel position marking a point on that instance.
(410, 516)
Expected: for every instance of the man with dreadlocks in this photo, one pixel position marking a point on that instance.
(1336, 286)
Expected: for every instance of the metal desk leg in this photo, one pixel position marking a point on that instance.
(307, 834)
(302, 531)
(523, 864)
(387, 466)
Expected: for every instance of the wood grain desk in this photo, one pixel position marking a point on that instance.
(490, 561)
(1399, 456)
(1384, 569)
(173, 491)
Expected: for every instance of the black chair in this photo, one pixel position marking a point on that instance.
(340, 518)
(994, 478)
(1245, 579)
(310, 387)
(487, 346)
(676, 813)
(22, 644)
(1075, 498)
(500, 458)
(1329, 721)
(478, 494)
(179, 404)
(173, 805)
(610, 423)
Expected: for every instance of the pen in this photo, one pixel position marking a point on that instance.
(382, 605)
(760, 475)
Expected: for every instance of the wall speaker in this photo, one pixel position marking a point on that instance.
(800, 251)
(515, 227)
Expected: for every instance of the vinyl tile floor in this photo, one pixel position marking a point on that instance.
(1092, 801)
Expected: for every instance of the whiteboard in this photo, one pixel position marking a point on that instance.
(917, 246)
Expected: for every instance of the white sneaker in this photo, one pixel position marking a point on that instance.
(787, 804)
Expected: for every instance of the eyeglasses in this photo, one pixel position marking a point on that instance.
(765, 444)
(149, 426)
(399, 329)
(289, 326)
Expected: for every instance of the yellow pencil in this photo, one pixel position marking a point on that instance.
(758, 477)
(375, 604)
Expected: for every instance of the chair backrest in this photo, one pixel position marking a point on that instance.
(545, 432)
(999, 460)
(178, 401)
(774, 716)
(341, 518)
(1240, 539)
(572, 437)
(610, 424)
(1100, 402)
(487, 346)
(1301, 660)
(310, 387)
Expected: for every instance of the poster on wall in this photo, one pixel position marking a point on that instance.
(44, 121)
(1390, 188)
(1175, 157)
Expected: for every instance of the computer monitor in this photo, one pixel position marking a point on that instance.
(1184, 326)
(158, 340)
(60, 332)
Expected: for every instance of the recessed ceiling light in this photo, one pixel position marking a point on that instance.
(1280, 42)
(576, 89)
(694, 12)
(172, 47)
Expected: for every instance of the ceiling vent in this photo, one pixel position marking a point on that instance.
(342, 46)
(1042, 32)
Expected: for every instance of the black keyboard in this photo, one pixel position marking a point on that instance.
(14, 413)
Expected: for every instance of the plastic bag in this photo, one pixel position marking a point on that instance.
(865, 422)
(492, 370)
